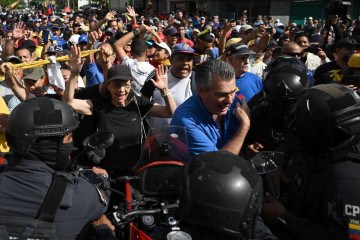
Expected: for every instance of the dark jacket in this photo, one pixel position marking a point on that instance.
(24, 187)
(323, 197)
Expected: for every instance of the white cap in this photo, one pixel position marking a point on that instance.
(74, 39)
(164, 46)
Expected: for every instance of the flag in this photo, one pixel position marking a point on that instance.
(49, 10)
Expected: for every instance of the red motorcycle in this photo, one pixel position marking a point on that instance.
(151, 207)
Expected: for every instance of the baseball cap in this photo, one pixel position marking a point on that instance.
(29, 44)
(245, 28)
(171, 31)
(35, 74)
(164, 46)
(85, 28)
(232, 41)
(202, 18)
(83, 38)
(183, 48)
(55, 26)
(119, 72)
(54, 48)
(237, 49)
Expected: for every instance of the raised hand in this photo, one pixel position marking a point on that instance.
(18, 31)
(93, 37)
(241, 115)
(7, 69)
(75, 61)
(131, 11)
(161, 81)
(110, 15)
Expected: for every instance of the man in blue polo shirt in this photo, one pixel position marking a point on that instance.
(248, 84)
(212, 119)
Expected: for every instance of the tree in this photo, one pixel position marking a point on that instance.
(5, 3)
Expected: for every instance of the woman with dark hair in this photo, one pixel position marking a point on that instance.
(121, 112)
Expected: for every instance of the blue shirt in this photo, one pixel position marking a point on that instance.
(93, 74)
(248, 85)
(202, 131)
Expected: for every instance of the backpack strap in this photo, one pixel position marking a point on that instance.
(3, 233)
(53, 199)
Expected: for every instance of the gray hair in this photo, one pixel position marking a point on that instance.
(207, 71)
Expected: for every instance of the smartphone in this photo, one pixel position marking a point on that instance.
(314, 49)
(267, 161)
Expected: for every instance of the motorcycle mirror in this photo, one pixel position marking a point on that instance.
(267, 161)
(99, 140)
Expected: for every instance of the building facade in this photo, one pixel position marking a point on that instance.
(285, 10)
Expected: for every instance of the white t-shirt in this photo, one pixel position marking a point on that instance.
(180, 90)
(258, 68)
(140, 71)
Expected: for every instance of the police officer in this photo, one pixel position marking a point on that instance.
(322, 198)
(285, 82)
(38, 198)
(221, 198)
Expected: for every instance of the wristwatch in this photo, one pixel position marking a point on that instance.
(136, 32)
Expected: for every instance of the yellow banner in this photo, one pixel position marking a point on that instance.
(11, 6)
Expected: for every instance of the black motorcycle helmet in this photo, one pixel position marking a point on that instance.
(221, 193)
(38, 118)
(286, 80)
(327, 117)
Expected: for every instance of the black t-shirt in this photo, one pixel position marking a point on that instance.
(126, 125)
(87, 123)
(328, 73)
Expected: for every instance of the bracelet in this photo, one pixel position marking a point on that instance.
(166, 94)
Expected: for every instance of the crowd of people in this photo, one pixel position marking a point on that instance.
(237, 87)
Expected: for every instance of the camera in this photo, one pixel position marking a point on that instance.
(313, 49)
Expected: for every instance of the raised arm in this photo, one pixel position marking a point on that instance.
(122, 42)
(222, 40)
(132, 14)
(17, 33)
(109, 16)
(18, 89)
(161, 83)
(235, 144)
(82, 106)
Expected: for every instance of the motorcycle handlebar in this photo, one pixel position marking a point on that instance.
(141, 212)
(164, 209)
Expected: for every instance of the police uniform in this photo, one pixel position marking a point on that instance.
(323, 198)
(24, 187)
